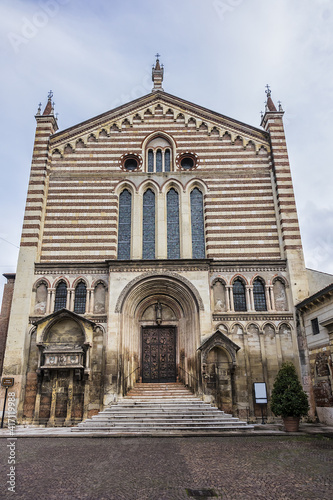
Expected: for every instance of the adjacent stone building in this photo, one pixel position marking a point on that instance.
(160, 242)
(315, 315)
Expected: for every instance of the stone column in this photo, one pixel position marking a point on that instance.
(227, 292)
(48, 301)
(68, 298)
(52, 299)
(271, 293)
(92, 301)
(53, 400)
(71, 292)
(231, 297)
(136, 240)
(249, 297)
(68, 420)
(185, 227)
(268, 298)
(161, 245)
(37, 404)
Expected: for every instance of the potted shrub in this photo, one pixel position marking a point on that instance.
(288, 399)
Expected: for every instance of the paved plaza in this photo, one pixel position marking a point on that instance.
(260, 467)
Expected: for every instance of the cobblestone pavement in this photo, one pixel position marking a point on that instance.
(235, 468)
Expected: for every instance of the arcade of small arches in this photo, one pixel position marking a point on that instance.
(265, 328)
(78, 297)
(258, 296)
(129, 121)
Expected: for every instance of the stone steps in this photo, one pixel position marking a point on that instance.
(161, 409)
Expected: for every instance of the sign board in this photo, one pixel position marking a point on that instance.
(260, 393)
(7, 382)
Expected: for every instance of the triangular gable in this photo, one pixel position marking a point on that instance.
(63, 313)
(218, 339)
(138, 107)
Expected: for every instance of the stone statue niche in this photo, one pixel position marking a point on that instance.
(99, 296)
(41, 298)
(219, 296)
(280, 296)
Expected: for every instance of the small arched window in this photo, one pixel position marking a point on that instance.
(80, 298)
(159, 160)
(239, 295)
(173, 224)
(159, 155)
(60, 296)
(197, 224)
(259, 295)
(124, 225)
(148, 225)
(150, 160)
(167, 156)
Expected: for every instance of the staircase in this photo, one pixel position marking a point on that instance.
(161, 409)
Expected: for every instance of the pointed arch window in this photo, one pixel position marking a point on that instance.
(80, 298)
(60, 296)
(148, 228)
(124, 225)
(173, 239)
(197, 224)
(239, 295)
(167, 156)
(259, 295)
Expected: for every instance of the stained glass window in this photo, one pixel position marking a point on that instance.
(124, 225)
(150, 160)
(148, 230)
(173, 224)
(80, 298)
(167, 157)
(259, 296)
(197, 224)
(60, 296)
(159, 161)
(239, 296)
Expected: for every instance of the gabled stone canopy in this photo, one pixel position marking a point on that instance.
(219, 339)
(44, 324)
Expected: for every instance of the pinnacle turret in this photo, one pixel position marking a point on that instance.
(157, 75)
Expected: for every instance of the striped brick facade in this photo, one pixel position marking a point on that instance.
(70, 236)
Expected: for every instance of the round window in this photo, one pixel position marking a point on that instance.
(187, 160)
(187, 163)
(131, 164)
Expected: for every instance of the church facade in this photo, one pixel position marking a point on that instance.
(160, 243)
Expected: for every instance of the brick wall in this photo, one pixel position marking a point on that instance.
(5, 313)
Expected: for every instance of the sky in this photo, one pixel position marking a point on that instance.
(219, 54)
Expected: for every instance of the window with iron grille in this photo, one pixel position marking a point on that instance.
(173, 224)
(60, 296)
(239, 295)
(315, 326)
(80, 298)
(197, 224)
(259, 295)
(124, 225)
(148, 227)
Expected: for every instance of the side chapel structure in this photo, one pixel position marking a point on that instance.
(160, 243)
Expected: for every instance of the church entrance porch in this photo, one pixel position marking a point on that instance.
(158, 354)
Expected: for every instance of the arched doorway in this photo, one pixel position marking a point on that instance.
(159, 332)
(220, 371)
